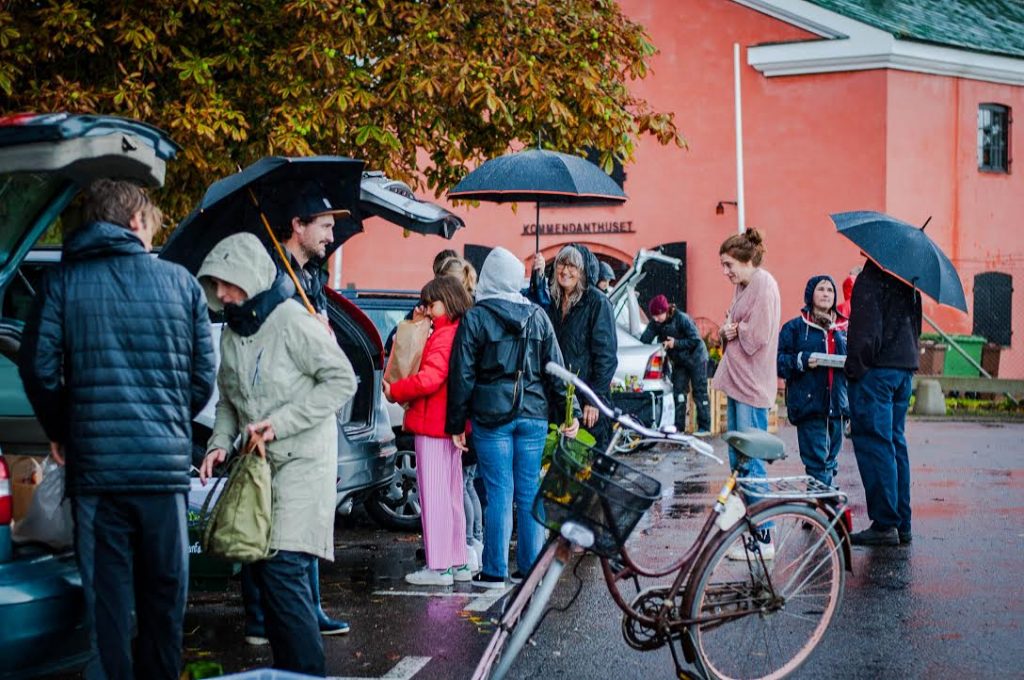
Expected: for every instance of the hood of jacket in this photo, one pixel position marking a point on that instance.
(848, 286)
(513, 316)
(101, 239)
(501, 278)
(812, 283)
(241, 260)
(591, 265)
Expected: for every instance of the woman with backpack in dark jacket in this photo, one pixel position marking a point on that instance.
(689, 356)
(497, 380)
(585, 327)
(815, 395)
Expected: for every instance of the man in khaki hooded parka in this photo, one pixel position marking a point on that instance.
(282, 376)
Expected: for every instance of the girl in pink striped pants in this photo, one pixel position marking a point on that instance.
(438, 461)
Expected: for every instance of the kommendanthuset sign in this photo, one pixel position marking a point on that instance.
(576, 228)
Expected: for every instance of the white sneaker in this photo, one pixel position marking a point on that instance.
(741, 552)
(478, 548)
(462, 574)
(472, 560)
(256, 640)
(430, 577)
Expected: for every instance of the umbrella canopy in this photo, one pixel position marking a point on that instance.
(906, 252)
(227, 207)
(539, 176)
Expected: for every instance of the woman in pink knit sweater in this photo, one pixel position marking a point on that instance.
(750, 336)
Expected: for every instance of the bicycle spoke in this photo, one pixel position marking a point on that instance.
(768, 630)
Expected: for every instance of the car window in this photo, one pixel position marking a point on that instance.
(19, 295)
(385, 319)
(23, 196)
(13, 401)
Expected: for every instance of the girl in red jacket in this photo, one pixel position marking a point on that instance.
(438, 461)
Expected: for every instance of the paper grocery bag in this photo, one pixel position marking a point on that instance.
(407, 350)
(26, 473)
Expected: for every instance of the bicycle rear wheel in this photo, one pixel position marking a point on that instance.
(516, 623)
(763, 617)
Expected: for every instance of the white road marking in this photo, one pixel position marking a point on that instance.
(484, 601)
(403, 670)
(481, 602)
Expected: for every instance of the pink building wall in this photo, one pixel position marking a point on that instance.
(898, 142)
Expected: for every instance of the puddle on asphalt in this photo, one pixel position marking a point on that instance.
(690, 486)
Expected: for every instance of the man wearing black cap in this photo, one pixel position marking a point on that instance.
(305, 235)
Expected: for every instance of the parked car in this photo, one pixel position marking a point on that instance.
(45, 160)
(397, 505)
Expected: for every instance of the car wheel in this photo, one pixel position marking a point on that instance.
(397, 505)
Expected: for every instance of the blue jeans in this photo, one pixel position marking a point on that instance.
(471, 501)
(290, 613)
(820, 440)
(508, 460)
(878, 410)
(742, 417)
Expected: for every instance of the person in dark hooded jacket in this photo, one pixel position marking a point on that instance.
(815, 395)
(885, 324)
(584, 324)
(496, 379)
(689, 356)
(116, 360)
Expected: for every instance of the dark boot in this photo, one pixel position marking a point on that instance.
(328, 626)
(876, 536)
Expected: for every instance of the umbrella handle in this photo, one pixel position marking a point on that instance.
(280, 252)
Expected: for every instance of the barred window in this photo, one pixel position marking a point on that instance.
(994, 138)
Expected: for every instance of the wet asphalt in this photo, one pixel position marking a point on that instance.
(949, 605)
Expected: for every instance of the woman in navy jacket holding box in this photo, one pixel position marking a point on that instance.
(816, 395)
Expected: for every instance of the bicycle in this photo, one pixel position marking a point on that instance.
(758, 614)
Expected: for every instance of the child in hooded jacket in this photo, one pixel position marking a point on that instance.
(816, 397)
(438, 460)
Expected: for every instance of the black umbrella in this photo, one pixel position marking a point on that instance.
(906, 252)
(539, 176)
(234, 204)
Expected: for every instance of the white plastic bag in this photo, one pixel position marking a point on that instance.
(48, 519)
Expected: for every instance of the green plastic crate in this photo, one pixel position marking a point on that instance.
(956, 364)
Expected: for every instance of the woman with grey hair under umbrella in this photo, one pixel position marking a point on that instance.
(585, 327)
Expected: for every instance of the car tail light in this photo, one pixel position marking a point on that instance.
(6, 503)
(17, 119)
(654, 367)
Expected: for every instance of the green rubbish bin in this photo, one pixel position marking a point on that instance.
(956, 364)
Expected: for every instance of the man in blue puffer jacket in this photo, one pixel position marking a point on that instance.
(116, 359)
(815, 395)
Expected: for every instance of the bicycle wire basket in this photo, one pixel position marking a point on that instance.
(604, 494)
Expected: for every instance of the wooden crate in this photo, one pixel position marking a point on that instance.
(719, 413)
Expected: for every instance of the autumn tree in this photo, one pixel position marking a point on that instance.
(421, 89)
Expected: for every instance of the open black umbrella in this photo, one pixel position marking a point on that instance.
(906, 252)
(540, 176)
(228, 206)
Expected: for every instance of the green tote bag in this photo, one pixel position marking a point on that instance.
(238, 527)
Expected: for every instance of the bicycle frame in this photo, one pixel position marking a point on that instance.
(655, 616)
(683, 567)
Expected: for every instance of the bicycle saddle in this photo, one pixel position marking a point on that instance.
(756, 444)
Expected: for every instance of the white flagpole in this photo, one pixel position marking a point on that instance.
(336, 270)
(741, 217)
